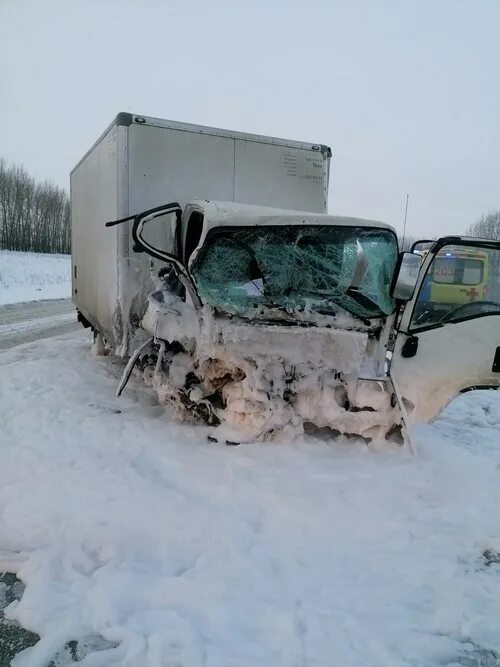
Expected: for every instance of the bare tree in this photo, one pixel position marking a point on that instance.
(487, 227)
(33, 216)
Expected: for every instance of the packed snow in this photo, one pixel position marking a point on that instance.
(178, 551)
(32, 276)
(40, 327)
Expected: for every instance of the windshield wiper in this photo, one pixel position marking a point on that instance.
(270, 303)
(362, 299)
(357, 296)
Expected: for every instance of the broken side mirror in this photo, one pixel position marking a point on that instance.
(405, 276)
(156, 226)
(157, 234)
(157, 231)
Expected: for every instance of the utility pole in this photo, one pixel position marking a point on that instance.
(404, 225)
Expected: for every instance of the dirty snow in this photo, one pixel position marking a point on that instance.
(31, 276)
(181, 552)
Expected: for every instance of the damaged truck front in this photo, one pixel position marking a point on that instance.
(267, 318)
(269, 321)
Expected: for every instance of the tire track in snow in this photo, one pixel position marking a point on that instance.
(26, 322)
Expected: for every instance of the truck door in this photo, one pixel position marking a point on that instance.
(444, 345)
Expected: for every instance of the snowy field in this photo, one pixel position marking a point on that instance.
(180, 552)
(31, 276)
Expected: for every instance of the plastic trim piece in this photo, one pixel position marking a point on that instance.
(496, 361)
(483, 387)
(124, 118)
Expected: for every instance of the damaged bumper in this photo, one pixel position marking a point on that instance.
(260, 380)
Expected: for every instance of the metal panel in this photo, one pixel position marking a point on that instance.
(174, 165)
(180, 165)
(94, 247)
(219, 132)
(285, 177)
(167, 165)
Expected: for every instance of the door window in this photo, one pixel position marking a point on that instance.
(462, 282)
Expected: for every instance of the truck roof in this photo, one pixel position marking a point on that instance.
(129, 118)
(125, 119)
(220, 214)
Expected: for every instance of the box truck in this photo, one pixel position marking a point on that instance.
(208, 259)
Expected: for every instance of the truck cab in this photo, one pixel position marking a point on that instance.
(252, 261)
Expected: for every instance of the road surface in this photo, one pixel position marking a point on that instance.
(26, 322)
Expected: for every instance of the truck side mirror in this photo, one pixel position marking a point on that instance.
(422, 245)
(405, 276)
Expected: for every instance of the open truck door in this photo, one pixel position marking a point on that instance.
(448, 339)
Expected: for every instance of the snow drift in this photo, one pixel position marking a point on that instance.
(30, 276)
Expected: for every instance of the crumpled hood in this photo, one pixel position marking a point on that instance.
(269, 378)
(333, 349)
(213, 336)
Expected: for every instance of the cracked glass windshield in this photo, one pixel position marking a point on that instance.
(289, 267)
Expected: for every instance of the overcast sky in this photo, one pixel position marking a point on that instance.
(406, 92)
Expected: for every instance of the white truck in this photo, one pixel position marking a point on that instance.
(207, 257)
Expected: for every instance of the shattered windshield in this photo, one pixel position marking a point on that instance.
(289, 267)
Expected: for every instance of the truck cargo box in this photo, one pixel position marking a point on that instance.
(142, 162)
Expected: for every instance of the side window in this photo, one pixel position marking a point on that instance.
(193, 234)
(462, 282)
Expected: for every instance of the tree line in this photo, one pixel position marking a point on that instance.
(34, 216)
(487, 227)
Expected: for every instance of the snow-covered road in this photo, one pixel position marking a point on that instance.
(26, 322)
(180, 552)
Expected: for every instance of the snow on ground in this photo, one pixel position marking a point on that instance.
(31, 276)
(182, 552)
(33, 329)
